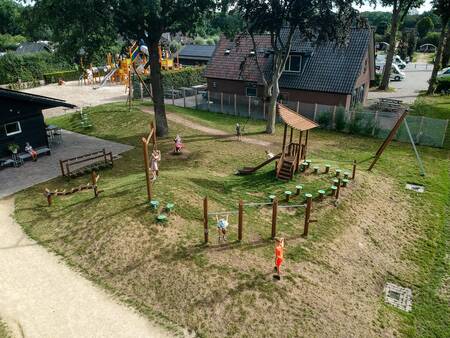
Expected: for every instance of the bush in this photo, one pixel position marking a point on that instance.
(199, 41)
(324, 119)
(10, 42)
(67, 75)
(184, 77)
(340, 118)
(30, 67)
(376, 82)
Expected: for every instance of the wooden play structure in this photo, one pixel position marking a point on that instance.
(93, 185)
(292, 153)
(340, 180)
(83, 164)
(151, 138)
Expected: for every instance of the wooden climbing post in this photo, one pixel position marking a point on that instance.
(354, 170)
(389, 138)
(147, 169)
(338, 188)
(240, 219)
(307, 215)
(205, 219)
(274, 217)
(94, 182)
(49, 198)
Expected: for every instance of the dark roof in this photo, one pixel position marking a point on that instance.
(32, 47)
(328, 66)
(43, 101)
(197, 52)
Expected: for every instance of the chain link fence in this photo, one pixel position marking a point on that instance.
(425, 131)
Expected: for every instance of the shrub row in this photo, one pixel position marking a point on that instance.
(30, 67)
(184, 77)
(67, 75)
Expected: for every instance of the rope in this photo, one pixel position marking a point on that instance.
(223, 213)
(251, 204)
(293, 206)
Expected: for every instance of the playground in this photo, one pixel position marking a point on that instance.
(375, 232)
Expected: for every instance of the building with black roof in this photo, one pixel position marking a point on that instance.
(196, 55)
(21, 119)
(325, 73)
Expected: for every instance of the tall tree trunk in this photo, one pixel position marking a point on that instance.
(437, 59)
(391, 51)
(446, 51)
(272, 112)
(162, 128)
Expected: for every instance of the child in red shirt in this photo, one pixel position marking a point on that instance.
(279, 248)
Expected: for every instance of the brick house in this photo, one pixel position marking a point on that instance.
(325, 74)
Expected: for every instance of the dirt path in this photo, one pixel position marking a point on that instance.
(207, 130)
(39, 297)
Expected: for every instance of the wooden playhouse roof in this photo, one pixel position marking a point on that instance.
(294, 120)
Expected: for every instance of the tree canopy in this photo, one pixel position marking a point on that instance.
(424, 26)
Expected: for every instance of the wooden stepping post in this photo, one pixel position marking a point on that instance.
(338, 189)
(338, 172)
(345, 182)
(346, 175)
(354, 170)
(321, 194)
(327, 168)
(333, 190)
(288, 194)
(307, 214)
(299, 189)
(316, 170)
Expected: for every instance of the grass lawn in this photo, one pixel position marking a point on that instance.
(4, 332)
(437, 106)
(333, 280)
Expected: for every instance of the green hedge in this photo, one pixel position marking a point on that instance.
(67, 75)
(184, 77)
(30, 67)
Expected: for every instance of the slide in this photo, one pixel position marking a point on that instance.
(106, 78)
(251, 170)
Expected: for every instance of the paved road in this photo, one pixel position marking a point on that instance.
(39, 297)
(47, 167)
(407, 90)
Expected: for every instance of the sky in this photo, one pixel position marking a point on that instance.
(425, 7)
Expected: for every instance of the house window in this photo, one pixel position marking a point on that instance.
(293, 63)
(13, 128)
(250, 91)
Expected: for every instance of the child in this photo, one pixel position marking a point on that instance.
(269, 154)
(222, 225)
(178, 144)
(279, 248)
(156, 156)
(29, 149)
(238, 131)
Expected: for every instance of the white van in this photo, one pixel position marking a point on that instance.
(380, 61)
(396, 73)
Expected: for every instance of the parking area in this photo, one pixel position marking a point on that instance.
(47, 167)
(417, 76)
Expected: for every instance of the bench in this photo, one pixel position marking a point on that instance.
(86, 163)
(39, 151)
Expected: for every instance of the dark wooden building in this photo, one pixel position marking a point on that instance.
(323, 73)
(21, 119)
(195, 55)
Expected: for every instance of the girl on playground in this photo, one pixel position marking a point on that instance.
(222, 225)
(29, 149)
(156, 156)
(279, 248)
(178, 144)
(238, 131)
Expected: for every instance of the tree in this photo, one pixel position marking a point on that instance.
(424, 26)
(399, 10)
(442, 8)
(10, 22)
(148, 20)
(316, 20)
(446, 51)
(79, 24)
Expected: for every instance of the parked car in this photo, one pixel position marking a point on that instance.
(380, 61)
(443, 75)
(396, 73)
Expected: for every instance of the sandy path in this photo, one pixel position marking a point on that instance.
(39, 297)
(207, 130)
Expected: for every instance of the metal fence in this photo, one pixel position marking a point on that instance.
(425, 131)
